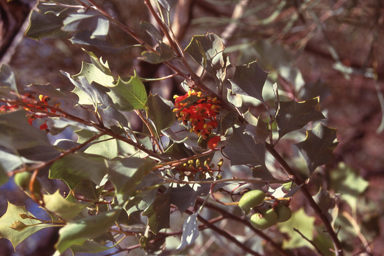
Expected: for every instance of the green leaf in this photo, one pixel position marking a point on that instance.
(228, 121)
(96, 73)
(7, 77)
(160, 112)
(208, 51)
(249, 80)
(129, 95)
(89, 20)
(89, 246)
(61, 207)
(163, 53)
(45, 26)
(151, 30)
(9, 162)
(235, 99)
(104, 146)
(318, 146)
(256, 128)
(73, 168)
(348, 182)
(304, 223)
(17, 133)
(126, 174)
(15, 228)
(77, 232)
(47, 90)
(159, 211)
(3, 175)
(241, 149)
(327, 204)
(294, 115)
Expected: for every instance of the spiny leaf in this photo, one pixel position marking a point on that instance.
(318, 146)
(77, 232)
(256, 128)
(249, 80)
(302, 222)
(73, 168)
(228, 121)
(15, 228)
(294, 115)
(158, 213)
(241, 149)
(62, 207)
(130, 95)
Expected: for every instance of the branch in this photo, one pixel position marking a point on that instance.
(308, 196)
(304, 237)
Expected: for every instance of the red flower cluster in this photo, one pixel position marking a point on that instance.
(201, 115)
(34, 105)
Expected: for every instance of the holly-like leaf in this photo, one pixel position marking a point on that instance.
(9, 162)
(241, 149)
(61, 207)
(130, 95)
(104, 146)
(208, 51)
(45, 26)
(327, 204)
(318, 146)
(294, 115)
(14, 228)
(159, 211)
(73, 168)
(163, 53)
(302, 222)
(77, 232)
(348, 182)
(7, 77)
(126, 174)
(160, 112)
(17, 133)
(249, 80)
(234, 99)
(89, 246)
(89, 20)
(190, 231)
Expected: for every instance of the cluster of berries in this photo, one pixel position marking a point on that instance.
(190, 168)
(201, 115)
(32, 107)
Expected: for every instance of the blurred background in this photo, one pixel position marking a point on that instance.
(332, 49)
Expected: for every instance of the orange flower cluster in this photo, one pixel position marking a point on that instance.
(32, 106)
(201, 115)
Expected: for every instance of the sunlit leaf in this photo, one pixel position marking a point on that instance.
(15, 228)
(294, 115)
(89, 246)
(318, 146)
(158, 212)
(77, 232)
(302, 222)
(190, 231)
(73, 168)
(348, 182)
(241, 149)
(256, 128)
(61, 207)
(249, 80)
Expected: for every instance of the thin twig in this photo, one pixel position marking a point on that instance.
(303, 236)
